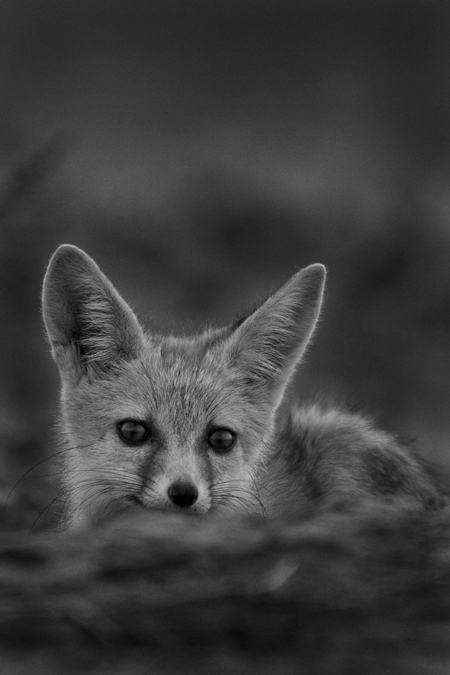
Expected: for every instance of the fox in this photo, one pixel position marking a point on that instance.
(203, 424)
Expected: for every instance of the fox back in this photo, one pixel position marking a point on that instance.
(196, 423)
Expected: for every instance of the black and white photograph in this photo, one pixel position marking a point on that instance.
(224, 337)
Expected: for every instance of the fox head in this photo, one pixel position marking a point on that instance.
(177, 423)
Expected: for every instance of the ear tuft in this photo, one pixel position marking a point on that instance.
(88, 323)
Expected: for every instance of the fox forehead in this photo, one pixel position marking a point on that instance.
(185, 371)
(177, 385)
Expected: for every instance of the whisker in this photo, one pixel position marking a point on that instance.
(26, 476)
(46, 459)
(42, 475)
(46, 510)
(88, 502)
(117, 484)
(234, 494)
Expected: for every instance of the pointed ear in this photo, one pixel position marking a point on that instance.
(266, 346)
(90, 327)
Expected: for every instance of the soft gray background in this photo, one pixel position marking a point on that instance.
(202, 152)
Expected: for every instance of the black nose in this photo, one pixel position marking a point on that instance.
(182, 493)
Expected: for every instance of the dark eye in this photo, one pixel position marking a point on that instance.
(133, 432)
(221, 440)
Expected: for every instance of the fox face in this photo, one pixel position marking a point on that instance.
(171, 429)
(164, 422)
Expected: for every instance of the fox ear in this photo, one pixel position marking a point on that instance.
(266, 346)
(89, 325)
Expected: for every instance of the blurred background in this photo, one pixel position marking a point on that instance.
(202, 152)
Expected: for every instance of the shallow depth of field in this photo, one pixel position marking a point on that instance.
(202, 153)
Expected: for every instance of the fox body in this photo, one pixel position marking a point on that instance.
(197, 423)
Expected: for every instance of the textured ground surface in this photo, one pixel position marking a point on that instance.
(336, 593)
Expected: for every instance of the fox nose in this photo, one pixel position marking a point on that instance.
(182, 493)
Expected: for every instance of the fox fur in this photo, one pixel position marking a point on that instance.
(181, 390)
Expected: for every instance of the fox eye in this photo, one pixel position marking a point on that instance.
(221, 440)
(133, 432)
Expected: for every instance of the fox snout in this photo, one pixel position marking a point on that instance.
(178, 490)
(182, 493)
